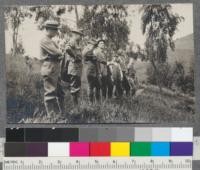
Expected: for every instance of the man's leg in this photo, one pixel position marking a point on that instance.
(97, 89)
(110, 87)
(119, 91)
(61, 96)
(91, 88)
(104, 87)
(75, 85)
(75, 97)
(50, 97)
(126, 85)
(52, 108)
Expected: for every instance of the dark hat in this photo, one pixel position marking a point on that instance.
(77, 31)
(100, 40)
(51, 24)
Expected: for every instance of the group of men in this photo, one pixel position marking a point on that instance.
(66, 66)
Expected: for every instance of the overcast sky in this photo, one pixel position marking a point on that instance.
(31, 36)
(134, 20)
(184, 28)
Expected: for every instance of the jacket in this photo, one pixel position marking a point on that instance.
(74, 56)
(101, 61)
(91, 62)
(50, 56)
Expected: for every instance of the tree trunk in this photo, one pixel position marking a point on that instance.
(154, 54)
(14, 43)
(15, 32)
(158, 79)
(77, 16)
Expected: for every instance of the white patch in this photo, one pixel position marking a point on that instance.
(2, 141)
(196, 149)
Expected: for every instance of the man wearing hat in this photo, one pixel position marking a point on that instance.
(50, 70)
(102, 61)
(92, 70)
(116, 75)
(125, 83)
(73, 56)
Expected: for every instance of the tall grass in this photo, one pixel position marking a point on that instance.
(25, 102)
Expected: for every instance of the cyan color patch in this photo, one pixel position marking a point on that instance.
(160, 149)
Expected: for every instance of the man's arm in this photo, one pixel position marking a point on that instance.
(50, 47)
(121, 73)
(69, 51)
(88, 55)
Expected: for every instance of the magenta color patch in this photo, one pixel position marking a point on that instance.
(79, 149)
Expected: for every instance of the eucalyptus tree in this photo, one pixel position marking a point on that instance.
(106, 22)
(14, 17)
(159, 24)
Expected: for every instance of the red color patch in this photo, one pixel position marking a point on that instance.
(100, 149)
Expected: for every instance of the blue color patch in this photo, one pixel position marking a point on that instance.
(160, 149)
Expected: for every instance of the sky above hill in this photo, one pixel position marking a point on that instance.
(184, 28)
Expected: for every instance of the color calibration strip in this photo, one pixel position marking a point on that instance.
(72, 143)
(85, 149)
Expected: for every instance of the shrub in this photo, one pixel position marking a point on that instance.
(165, 75)
(172, 77)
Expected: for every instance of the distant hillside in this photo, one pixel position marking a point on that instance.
(184, 52)
(186, 42)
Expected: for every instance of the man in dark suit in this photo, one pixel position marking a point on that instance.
(102, 61)
(92, 70)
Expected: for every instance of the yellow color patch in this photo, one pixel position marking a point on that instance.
(120, 149)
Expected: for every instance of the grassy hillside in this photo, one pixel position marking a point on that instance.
(183, 53)
(25, 96)
(147, 107)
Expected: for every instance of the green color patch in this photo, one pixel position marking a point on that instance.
(140, 149)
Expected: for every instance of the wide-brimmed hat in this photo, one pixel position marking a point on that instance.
(52, 24)
(77, 31)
